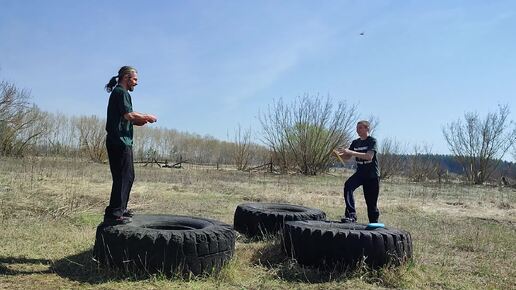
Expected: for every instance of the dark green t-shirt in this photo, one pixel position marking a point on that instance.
(119, 130)
(368, 169)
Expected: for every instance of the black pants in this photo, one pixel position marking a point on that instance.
(371, 187)
(122, 171)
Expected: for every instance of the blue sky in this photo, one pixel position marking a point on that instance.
(207, 66)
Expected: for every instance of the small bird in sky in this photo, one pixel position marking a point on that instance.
(361, 33)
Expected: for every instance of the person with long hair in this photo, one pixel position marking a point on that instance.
(119, 142)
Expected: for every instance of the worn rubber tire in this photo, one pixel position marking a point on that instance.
(259, 219)
(166, 244)
(326, 243)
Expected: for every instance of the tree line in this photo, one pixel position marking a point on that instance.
(298, 137)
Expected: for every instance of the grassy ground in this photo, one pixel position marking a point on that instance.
(464, 236)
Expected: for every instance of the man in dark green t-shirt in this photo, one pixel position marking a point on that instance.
(119, 142)
(367, 174)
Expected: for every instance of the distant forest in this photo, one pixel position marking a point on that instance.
(450, 164)
(299, 136)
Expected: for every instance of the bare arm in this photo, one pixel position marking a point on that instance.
(139, 118)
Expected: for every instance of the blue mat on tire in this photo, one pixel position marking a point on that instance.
(372, 226)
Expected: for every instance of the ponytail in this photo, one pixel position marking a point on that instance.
(112, 83)
(121, 73)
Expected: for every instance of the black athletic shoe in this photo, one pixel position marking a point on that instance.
(128, 213)
(121, 220)
(348, 220)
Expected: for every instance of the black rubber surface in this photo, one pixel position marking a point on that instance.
(326, 243)
(259, 219)
(166, 244)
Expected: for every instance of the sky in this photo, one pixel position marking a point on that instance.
(207, 67)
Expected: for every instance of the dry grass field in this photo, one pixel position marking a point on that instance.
(464, 236)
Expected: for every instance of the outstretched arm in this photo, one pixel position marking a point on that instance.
(140, 119)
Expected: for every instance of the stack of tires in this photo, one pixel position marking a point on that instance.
(311, 240)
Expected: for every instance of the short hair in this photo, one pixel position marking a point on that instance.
(125, 70)
(365, 123)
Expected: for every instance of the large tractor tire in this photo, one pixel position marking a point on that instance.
(165, 244)
(261, 219)
(326, 243)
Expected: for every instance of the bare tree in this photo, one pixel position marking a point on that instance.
(390, 158)
(92, 136)
(480, 144)
(30, 128)
(12, 101)
(514, 151)
(242, 148)
(441, 172)
(20, 121)
(275, 124)
(374, 124)
(302, 135)
(422, 165)
(59, 137)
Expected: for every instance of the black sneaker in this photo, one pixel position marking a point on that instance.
(121, 220)
(128, 213)
(348, 220)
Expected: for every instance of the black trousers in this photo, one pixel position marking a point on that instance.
(122, 171)
(371, 187)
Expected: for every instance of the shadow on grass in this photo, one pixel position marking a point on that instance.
(79, 267)
(83, 268)
(272, 257)
(27, 267)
